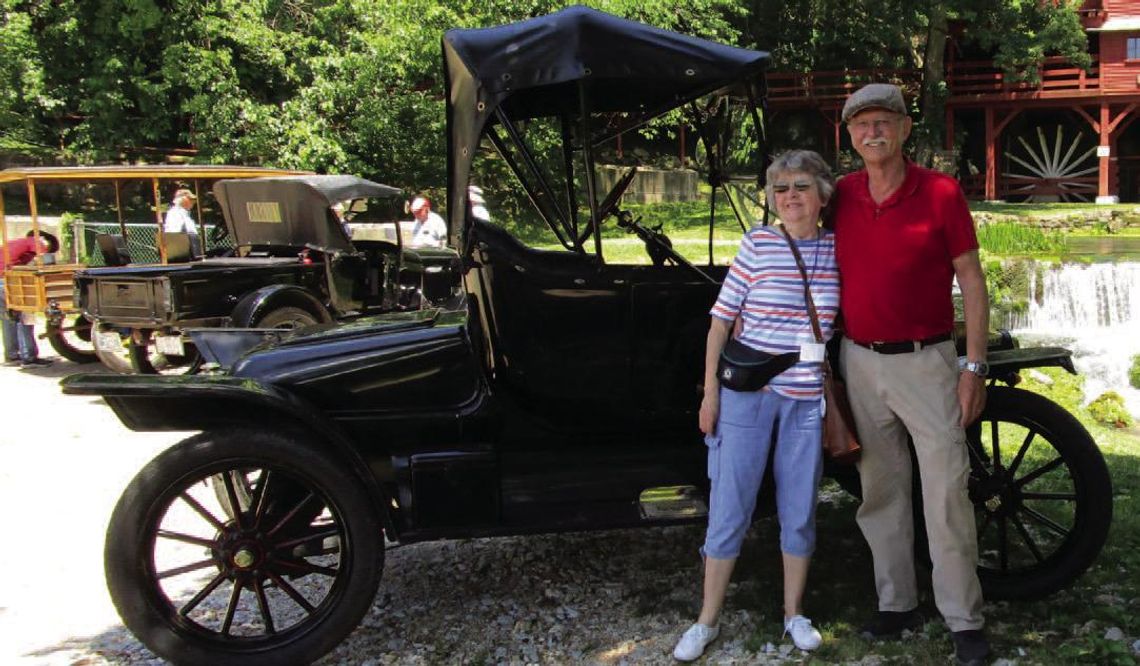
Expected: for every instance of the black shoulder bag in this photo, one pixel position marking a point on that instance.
(742, 368)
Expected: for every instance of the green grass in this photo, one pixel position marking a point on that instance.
(1068, 627)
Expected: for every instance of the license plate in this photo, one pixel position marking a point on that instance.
(108, 341)
(171, 345)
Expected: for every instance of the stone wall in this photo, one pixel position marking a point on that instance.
(651, 185)
(1110, 220)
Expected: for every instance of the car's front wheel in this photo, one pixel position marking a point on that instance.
(281, 582)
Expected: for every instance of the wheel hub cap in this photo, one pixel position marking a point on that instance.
(243, 559)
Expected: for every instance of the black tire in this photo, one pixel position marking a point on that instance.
(72, 342)
(286, 317)
(1073, 494)
(1043, 512)
(234, 597)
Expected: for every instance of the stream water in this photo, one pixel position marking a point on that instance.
(1094, 310)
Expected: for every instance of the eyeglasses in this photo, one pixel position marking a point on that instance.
(865, 126)
(800, 185)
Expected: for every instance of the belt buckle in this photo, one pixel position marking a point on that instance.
(876, 344)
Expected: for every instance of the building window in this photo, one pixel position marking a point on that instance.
(1134, 48)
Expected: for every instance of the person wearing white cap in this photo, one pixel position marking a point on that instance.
(430, 230)
(178, 219)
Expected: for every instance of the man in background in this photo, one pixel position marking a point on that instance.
(178, 219)
(430, 230)
(19, 334)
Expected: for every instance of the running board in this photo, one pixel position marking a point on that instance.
(672, 502)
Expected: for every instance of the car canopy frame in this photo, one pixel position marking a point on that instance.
(571, 64)
(292, 211)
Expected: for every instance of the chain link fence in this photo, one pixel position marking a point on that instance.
(142, 240)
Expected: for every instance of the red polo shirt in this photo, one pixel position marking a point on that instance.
(895, 258)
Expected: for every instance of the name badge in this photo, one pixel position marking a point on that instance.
(812, 351)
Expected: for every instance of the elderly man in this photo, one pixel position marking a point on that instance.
(903, 233)
(178, 219)
(430, 230)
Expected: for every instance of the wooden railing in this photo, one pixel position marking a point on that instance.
(982, 77)
(789, 87)
(963, 79)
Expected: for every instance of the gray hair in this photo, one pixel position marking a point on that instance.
(806, 161)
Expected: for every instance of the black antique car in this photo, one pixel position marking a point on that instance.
(562, 397)
(292, 264)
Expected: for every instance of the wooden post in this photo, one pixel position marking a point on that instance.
(35, 220)
(161, 235)
(1103, 152)
(991, 156)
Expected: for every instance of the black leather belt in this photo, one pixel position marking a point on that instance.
(905, 346)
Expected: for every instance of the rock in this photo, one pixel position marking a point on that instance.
(786, 649)
(1114, 634)
(1003, 662)
(1038, 376)
(1136, 647)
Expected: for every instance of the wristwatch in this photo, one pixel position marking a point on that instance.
(979, 368)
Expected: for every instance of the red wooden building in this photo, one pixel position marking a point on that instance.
(1069, 137)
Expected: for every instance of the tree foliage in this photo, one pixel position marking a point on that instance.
(355, 86)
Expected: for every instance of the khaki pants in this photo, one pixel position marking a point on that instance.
(891, 395)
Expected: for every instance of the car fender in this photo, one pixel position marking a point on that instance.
(202, 403)
(257, 303)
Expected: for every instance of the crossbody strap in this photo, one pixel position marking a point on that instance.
(807, 291)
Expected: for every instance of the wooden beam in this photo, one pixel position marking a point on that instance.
(1084, 114)
(1120, 116)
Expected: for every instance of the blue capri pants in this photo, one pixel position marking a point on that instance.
(738, 454)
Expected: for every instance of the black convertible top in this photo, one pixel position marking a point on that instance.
(532, 69)
(292, 211)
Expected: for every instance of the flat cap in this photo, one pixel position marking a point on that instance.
(874, 96)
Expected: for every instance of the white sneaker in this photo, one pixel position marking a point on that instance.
(694, 641)
(805, 636)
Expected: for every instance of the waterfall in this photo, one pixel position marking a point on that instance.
(1093, 309)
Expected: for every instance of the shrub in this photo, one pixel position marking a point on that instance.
(1109, 409)
(1134, 372)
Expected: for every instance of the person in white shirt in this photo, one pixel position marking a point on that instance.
(178, 219)
(430, 230)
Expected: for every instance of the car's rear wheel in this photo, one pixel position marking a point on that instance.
(286, 317)
(281, 582)
(1042, 494)
(1041, 491)
(72, 339)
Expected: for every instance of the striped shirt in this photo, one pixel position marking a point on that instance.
(765, 288)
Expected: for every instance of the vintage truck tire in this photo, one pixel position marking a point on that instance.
(72, 342)
(1041, 525)
(283, 583)
(1042, 494)
(288, 317)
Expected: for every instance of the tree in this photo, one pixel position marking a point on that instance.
(821, 35)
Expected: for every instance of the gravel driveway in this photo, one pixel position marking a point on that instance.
(604, 597)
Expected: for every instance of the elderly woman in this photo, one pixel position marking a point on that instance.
(764, 289)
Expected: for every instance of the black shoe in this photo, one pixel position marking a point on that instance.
(889, 624)
(35, 363)
(971, 647)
